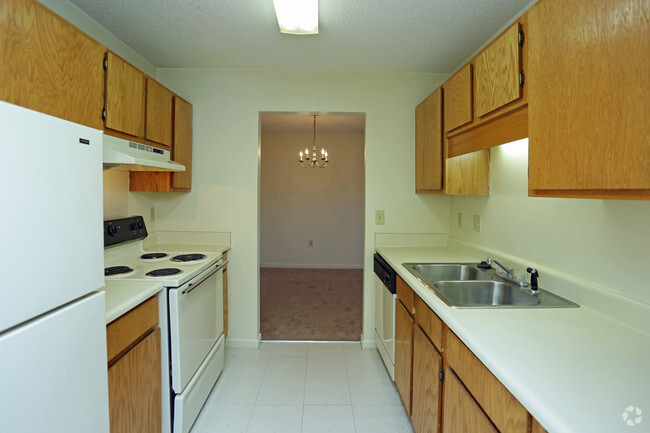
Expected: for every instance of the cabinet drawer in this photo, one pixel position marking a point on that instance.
(405, 294)
(461, 413)
(128, 329)
(429, 322)
(500, 406)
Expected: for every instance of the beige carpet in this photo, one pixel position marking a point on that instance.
(311, 304)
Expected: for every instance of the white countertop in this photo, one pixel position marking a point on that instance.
(122, 296)
(574, 369)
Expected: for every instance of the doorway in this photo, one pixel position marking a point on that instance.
(311, 227)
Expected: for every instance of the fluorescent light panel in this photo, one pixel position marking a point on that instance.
(297, 17)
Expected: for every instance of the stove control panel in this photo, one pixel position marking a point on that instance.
(124, 230)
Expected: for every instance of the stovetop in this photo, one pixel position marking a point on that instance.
(167, 269)
(126, 260)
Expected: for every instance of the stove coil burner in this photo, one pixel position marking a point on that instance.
(163, 272)
(188, 257)
(150, 256)
(117, 270)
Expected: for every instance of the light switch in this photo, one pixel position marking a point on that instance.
(379, 217)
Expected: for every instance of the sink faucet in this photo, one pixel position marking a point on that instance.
(509, 275)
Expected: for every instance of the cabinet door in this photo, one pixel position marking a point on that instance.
(182, 150)
(158, 126)
(458, 98)
(589, 98)
(125, 96)
(134, 389)
(403, 353)
(496, 73)
(48, 65)
(427, 385)
(428, 144)
(468, 174)
(461, 413)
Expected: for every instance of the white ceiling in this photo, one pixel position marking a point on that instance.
(365, 35)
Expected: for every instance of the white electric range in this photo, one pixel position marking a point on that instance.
(190, 315)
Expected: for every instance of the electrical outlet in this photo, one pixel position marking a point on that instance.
(478, 223)
(152, 214)
(460, 219)
(379, 217)
(310, 243)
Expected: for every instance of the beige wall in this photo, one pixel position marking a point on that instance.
(300, 204)
(225, 192)
(603, 242)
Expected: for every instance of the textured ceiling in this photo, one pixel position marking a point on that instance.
(364, 35)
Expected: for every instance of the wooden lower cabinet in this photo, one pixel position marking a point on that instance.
(134, 388)
(404, 324)
(461, 413)
(427, 386)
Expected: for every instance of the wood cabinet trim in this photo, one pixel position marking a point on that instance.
(127, 330)
(468, 174)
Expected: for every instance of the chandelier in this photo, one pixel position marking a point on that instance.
(313, 161)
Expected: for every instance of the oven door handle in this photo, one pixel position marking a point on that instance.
(193, 286)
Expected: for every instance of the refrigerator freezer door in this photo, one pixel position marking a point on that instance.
(51, 222)
(54, 375)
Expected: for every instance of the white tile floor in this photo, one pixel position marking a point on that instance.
(304, 388)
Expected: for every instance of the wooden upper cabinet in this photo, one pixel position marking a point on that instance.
(158, 126)
(496, 73)
(48, 65)
(125, 97)
(589, 99)
(182, 150)
(468, 174)
(458, 98)
(428, 144)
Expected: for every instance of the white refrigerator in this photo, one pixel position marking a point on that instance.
(53, 373)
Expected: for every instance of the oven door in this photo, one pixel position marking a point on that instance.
(195, 323)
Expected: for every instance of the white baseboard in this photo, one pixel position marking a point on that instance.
(242, 343)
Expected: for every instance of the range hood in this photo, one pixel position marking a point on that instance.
(128, 155)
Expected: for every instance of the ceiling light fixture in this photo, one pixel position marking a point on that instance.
(313, 161)
(297, 17)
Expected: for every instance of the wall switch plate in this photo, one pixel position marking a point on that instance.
(379, 217)
(460, 219)
(477, 223)
(310, 243)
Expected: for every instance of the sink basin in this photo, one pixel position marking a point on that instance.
(446, 272)
(483, 294)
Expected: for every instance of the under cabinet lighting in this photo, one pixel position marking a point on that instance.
(297, 17)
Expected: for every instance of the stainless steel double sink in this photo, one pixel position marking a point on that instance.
(464, 285)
